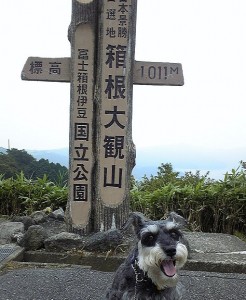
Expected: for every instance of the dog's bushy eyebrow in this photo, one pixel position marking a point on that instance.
(178, 220)
(137, 219)
(140, 222)
(171, 226)
(151, 228)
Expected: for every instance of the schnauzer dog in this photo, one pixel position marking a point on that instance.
(150, 271)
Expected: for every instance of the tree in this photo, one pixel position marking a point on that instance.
(16, 161)
(165, 175)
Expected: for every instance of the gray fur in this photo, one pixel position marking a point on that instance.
(143, 275)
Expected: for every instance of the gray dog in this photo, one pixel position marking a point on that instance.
(150, 270)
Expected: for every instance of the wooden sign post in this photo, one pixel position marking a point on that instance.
(82, 133)
(115, 151)
(101, 72)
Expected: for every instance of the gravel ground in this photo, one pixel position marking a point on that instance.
(78, 283)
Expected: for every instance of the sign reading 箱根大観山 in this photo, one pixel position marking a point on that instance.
(114, 100)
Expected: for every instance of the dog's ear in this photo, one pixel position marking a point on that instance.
(136, 219)
(174, 217)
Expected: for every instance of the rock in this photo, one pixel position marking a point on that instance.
(104, 241)
(39, 217)
(54, 226)
(17, 237)
(9, 229)
(63, 241)
(58, 214)
(34, 237)
(26, 220)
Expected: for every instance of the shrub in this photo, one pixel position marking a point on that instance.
(208, 205)
(20, 195)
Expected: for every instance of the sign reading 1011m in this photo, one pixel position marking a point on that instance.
(158, 73)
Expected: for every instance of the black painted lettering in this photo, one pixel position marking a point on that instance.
(152, 72)
(172, 70)
(165, 72)
(159, 69)
(142, 71)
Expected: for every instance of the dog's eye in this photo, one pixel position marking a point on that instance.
(148, 239)
(175, 235)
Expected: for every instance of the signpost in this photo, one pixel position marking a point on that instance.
(101, 72)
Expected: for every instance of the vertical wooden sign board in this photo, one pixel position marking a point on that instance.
(116, 151)
(81, 158)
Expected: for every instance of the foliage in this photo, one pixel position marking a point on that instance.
(16, 161)
(165, 175)
(23, 196)
(208, 205)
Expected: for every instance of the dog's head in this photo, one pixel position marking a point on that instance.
(161, 251)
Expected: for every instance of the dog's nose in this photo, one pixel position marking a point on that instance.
(170, 251)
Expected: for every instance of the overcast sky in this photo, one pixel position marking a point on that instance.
(206, 36)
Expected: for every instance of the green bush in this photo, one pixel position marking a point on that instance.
(208, 205)
(20, 195)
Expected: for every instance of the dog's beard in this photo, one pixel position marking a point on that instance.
(161, 269)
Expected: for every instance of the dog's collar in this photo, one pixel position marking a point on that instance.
(140, 275)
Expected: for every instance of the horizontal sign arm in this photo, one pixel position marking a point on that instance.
(158, 73)
(47, 69)
(145, 73)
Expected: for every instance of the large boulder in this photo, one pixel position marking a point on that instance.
(9, 229)
(34, 237)
(39, 217)
(104, 241)
(26, 220)
(54, 226)
(63, 241)
(58, 214)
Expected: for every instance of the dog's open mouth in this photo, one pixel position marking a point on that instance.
(168, 267)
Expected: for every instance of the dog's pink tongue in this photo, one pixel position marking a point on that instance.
(169, 268)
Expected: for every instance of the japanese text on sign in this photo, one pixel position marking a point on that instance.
(114, 98)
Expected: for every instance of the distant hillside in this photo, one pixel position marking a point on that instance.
(15, 161)
(183, 158)
(59, 156)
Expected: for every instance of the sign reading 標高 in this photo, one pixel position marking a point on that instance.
(101, 72)
(47, 69)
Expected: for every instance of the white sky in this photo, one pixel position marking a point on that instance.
(206, 36)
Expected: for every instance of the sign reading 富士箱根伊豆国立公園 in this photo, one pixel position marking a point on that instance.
(101, 72)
